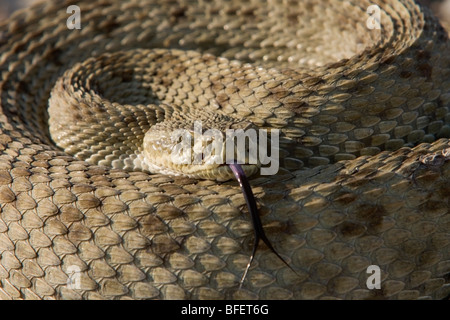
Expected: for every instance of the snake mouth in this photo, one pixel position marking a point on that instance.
(226, 172)
(221, 172)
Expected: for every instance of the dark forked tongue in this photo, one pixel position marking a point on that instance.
(256, 221)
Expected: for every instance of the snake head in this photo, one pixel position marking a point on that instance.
(201, 148)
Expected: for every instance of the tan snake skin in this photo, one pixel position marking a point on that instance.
(338, 90)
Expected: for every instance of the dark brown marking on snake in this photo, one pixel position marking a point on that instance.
(126, 75)
(442, 33)
(423, 55)
(292, 18)
(231, 10)
(351, 229)
(164, 244)
(299, 107)
(241, 83)
(177, 14)
(371, 215)
(432, 207)
(280, 93)
(108, 25)
(54, 55)
(4, 37)
(387, 60)
(428, 258)
(249, 12)
(443, 190)
(216, 86)
(22, 86)
(151, 225)
(18, 48)
(222, 98)
(425, 70)
(405, 74)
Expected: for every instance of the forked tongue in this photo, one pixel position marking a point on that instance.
(256, 221)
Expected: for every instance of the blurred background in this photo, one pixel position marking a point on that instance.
(440, 7)
(9, 6)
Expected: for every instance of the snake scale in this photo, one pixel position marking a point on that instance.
(364, 179)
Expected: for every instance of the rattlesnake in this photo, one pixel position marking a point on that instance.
(341, 90)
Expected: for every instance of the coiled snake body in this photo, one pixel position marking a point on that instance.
(350, 102)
